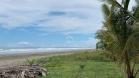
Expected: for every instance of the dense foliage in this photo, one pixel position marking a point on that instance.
(120, 33)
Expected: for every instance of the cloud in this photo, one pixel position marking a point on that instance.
(68, 37)
(91, 42)
(23, 44)
(71, 16)
(54, 16)
(88, 43)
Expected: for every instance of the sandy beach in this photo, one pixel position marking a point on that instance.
(17, 59)
(20, 58)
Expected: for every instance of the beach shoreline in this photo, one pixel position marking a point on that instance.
(20, 58)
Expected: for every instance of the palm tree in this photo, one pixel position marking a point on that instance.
(120, 33)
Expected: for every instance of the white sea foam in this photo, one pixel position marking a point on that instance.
(36, 50)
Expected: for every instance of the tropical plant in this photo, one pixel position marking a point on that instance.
(120, 33)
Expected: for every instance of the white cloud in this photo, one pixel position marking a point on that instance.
(90, 42)
(81, 16)
(68, 37)
(23, 44)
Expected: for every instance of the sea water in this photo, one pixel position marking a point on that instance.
(37, 50)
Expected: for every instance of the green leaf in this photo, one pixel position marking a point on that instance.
(106, 10)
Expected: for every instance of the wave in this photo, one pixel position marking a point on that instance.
(36, 50)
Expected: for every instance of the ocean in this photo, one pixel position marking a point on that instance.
(37, 50)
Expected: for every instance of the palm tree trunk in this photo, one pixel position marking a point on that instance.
(128, 66)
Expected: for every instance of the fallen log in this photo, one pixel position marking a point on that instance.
(23, 71)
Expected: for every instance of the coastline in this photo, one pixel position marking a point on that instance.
(20, 58)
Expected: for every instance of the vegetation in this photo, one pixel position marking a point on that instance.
(120, 34)
(80, 65)
(118, 39)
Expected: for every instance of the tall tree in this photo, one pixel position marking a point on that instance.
(120, 33)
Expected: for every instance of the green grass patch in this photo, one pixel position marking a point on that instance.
(80, 65)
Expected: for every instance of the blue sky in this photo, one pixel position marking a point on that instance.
(49, 23)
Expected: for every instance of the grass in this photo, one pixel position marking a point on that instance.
(80, 65)
(91, 70)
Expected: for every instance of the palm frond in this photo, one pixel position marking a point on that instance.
(136, 13)
(126, 4)
(132, 42)
(106, 10)
(137, 1)
(121, 33)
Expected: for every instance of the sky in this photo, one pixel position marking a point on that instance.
(49, 23)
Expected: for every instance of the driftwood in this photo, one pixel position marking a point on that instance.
(23, 71)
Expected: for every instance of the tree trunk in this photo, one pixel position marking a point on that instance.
(128, 66)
